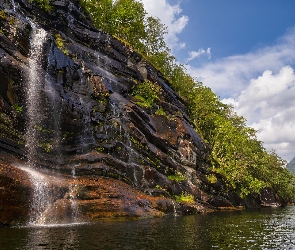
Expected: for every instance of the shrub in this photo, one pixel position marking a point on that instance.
(146, 93)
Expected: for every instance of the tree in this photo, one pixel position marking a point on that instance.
(235, 151)
(124, 19)
(154, 41)
(100, 12)
(129, 22)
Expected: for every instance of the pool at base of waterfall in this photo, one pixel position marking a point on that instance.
(268, 228)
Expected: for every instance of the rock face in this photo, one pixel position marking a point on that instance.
(71, 110)
(291, 166)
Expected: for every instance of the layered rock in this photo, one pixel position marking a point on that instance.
(113, 155)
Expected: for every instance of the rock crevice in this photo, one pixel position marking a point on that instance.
(114, 155)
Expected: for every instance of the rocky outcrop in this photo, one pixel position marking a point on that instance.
(291, 166)
(70, 109)
(15, 189)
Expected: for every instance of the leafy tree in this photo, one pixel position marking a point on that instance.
(100, 12)
(236, 153)
(154, 41)
(124, 19)
(129, 22)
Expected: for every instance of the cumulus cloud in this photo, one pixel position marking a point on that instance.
(259, 84)
(200, 52)
(261, 87)
(170, 15)
(229, 76)
(268, 103)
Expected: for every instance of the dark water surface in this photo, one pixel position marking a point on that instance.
(258, 229)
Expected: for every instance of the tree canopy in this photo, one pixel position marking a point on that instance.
(236, 154)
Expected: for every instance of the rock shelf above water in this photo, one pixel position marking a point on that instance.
(114, 157)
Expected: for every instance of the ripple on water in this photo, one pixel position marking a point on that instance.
(257, 229)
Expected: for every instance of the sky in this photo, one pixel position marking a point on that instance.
(245, 52)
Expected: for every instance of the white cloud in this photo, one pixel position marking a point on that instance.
(200, 52)
(229, 76)
(259, 84)
(268, 103)
(170, 16)
(261, 87)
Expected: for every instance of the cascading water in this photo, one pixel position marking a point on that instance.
(13, 5)
(86, 137)
(40, 198)
(42, 203)
(72, 197)
(41, 195)
(34, 87)
(52, 95)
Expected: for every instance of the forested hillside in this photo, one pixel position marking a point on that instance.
(291, 166)
(236, 153)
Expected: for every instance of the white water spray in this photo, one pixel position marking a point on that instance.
(34, 87)
(41, 198)
(73, 190)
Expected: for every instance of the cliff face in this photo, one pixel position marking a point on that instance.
(291, 166)
(89, 129)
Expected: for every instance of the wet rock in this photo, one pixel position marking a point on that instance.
(221, 203)
(112, 156)
(268, 198)
(15, 192)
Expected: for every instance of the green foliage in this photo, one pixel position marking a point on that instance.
(154, 40)
(138, 144)
(47, 147)
(211, 178)
(2, 14)
(124, 19)
(60, 43)
(162, 112)
(236, 154)
(146, 93)
(11, 19)
(44, 4)
(43, 130)
(100, 149)
(184, 198)
(18, 108)
(178, 177)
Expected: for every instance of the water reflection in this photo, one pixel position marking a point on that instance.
(53, 238)
(263, 229)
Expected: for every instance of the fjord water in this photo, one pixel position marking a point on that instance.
(256, 229)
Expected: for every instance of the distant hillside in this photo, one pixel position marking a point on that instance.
(291, 166)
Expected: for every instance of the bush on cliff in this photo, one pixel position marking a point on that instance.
(237, 154)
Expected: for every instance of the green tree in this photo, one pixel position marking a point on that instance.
(100, 12)
(235, 151)
(124, 19)
(129, 22)
(154, 41)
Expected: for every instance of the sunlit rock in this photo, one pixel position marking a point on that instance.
(85, 146)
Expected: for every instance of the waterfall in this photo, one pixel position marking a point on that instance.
(54, 103)
(33, 98)
(13, 5)
(44, 202)
(41, 196)
(86, 137)
(34, 86)
(73, 190)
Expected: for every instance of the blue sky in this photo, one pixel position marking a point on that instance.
(231, 27)
(245, 52)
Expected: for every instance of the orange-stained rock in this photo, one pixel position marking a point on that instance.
(98, 152)
(15, 194)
